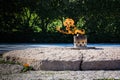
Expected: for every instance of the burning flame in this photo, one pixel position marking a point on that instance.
(70, 28)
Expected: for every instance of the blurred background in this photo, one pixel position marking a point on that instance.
(35, 21)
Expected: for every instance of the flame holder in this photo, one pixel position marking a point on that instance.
(80, 41)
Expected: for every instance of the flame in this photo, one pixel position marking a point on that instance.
(68, 22)
(70, 28)
(82, 31)
(26, 65)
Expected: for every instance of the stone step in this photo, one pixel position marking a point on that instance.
(64, 75)
(67, 58)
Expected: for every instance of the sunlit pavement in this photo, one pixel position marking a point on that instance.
(64, 75)
(9, 47)
(13, 47)
(57, 75)
(5, 48)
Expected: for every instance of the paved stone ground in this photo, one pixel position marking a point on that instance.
(10, 68)
(12, 72)
(59, 75)
(63, 75)
(67, 58)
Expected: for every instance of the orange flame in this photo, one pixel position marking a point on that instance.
(26, 65)
(70, 28)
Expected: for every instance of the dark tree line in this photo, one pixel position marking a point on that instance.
(100, 18)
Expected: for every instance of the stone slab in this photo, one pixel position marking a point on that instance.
(10, 69)
(67, 58)
(46, 58)
(64, 75)
(104, 59)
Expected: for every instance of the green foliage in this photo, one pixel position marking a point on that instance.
(30, 21)
(8, 62)
(80, 23)
(52, 26)
(100, 19)
(25, 69)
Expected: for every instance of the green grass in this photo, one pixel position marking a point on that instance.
(8, 62)
(2, 61)
(25, 69)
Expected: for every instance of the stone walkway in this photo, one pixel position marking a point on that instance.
(63, 75)
(67, 58)
(54, 75)
(12, 72)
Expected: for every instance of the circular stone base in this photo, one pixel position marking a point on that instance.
(67, 58)
(83, 48)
